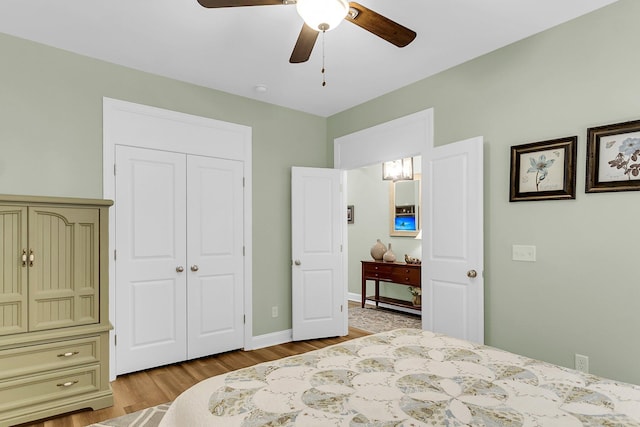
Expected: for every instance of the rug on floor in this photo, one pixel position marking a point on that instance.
(376, 320)
(368, 319)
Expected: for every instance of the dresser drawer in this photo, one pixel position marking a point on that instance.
(46, 357)
(380, 271)
(49, 387)
(408, 276)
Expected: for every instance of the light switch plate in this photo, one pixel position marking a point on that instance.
(523, 253)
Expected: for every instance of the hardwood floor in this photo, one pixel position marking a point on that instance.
(143, 389)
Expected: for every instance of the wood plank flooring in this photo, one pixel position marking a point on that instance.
(143, 389)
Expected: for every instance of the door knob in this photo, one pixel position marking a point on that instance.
(179, 269)
(194, 267)
(297, 262)
(472, 274)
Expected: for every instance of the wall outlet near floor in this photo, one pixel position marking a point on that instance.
(274, 311)
(523, 253)
(582, 363)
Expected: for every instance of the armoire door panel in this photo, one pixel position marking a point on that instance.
(13, 274)
(63, 267)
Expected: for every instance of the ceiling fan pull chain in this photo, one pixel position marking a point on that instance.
(324, 83)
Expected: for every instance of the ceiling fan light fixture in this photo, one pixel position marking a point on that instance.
(322, 15)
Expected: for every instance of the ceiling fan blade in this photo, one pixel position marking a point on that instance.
(379, 25)
(304, 45)
(234, 3)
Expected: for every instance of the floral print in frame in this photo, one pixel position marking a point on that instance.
(613, 157)
(544, 170)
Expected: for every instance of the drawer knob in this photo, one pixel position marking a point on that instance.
(67, 384)
(68, 354)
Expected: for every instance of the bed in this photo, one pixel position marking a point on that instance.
(406, 377)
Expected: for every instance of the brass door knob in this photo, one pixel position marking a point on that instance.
(472, 274)
(297, 262)
(179, 269)
(194, 267)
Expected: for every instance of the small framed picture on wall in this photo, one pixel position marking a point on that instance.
(613, 157)
(544, 170)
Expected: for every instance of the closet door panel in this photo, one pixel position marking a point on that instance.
(215, 254)
(151, 247)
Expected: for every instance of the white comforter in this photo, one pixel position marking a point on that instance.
(406, 377)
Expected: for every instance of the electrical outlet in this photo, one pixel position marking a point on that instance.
(582, 363)
(523, 253)
(274, 311)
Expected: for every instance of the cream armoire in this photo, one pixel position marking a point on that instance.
(54, 325)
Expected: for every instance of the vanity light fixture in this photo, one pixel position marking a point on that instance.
(398, 170)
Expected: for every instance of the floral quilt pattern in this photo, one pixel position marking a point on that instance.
(410, 377)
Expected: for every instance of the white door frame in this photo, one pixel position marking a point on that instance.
(407, 136)
(125, 123)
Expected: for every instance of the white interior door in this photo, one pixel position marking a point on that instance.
(215, 255)
(150, 207)
(318, 289)
(453, 286)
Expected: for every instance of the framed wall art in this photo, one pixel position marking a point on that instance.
(613, 157)
(350, 213)
(544, 170)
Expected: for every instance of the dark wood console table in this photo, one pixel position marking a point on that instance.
(393, 272)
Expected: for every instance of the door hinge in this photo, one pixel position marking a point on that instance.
(114, 169)
(340, 248)
(114, 255)
(244, 318)
(243, 252)
(341, 307)
(243, 181)
(115, 340)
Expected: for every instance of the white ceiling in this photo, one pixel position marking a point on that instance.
(235, 49)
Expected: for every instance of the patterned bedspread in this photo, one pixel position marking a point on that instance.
(406, 377)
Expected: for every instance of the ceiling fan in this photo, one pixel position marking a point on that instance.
(315, 21)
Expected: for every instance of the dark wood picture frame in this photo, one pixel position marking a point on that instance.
(544, 170)
(350, 214)
(613, 157)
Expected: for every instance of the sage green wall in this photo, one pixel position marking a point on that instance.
(369, 195)
(51, 144)
(583, 294)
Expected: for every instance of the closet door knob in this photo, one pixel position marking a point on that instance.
(32, 257)
(24, 257)
(297, 262)
(179, 269)
(472, 274)
(194, 267)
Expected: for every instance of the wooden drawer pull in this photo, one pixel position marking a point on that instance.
(67, 384)
(68, 354)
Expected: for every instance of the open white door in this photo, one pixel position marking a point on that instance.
(452, 266)
(318, 290)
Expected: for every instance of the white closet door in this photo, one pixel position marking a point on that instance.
(215, 255)
(150, 207)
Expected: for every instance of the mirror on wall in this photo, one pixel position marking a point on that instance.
(404, 207)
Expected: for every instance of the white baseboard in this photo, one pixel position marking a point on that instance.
(282, 337)
(274, 338)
